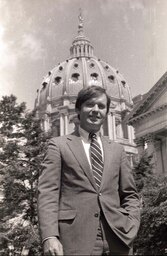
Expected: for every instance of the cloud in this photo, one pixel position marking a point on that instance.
(126, 22)
(106, 6)
(12, 50)
(31, 47)
(16, 37)
(6, 85)
(136, 5)
(8, 58)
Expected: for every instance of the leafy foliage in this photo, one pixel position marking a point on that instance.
(11, 115)
(143, 170)
(22, 148)
(152, 235)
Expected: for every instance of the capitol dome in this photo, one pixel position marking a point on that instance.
(55, 102)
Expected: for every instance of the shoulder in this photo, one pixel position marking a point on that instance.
(62, 139)
(116, 149)
(114, 144)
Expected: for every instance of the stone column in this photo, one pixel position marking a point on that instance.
(112, 128)
(119, 129)
(158, 156)
(86, 50)
(66, 124)
(130, 134)
(46, 123)
(140, 145)
(150, 140)
(61, 124)
(164, 154)
(82, 50)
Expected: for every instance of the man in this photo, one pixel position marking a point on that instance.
(87, 201)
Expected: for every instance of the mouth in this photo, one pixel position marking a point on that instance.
(94, 118)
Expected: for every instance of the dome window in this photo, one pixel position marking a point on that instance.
(75, 77)
(49, 73)
(44, 85)
(57, 80)
(92, 65)
(94, 76)
(75, 65)
(111, 78)
(60, 68)
(107, 67)
(124, 83)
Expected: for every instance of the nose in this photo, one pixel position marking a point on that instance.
(95, 108)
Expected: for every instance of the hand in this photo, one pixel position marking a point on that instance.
(52, 247)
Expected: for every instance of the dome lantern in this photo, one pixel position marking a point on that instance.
(81, 46)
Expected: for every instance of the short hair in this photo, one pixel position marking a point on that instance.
(91, 92)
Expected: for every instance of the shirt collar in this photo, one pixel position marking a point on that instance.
(85, 135)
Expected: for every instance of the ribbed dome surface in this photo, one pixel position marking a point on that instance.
(80, 70)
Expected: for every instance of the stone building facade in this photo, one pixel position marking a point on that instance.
(55, 102)
(149, 119)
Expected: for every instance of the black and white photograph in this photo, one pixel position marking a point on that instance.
(83, 127)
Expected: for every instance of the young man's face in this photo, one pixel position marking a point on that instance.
(93, 113)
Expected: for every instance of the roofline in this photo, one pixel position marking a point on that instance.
(147, 96)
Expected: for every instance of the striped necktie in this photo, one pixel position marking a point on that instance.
(96, 159)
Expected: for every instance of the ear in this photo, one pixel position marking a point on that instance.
(78, 113)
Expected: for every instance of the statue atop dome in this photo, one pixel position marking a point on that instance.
(80, 26)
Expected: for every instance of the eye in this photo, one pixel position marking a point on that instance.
(102, 106)
(90, 105)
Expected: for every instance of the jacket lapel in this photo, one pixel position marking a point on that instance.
(76, 146)
(108, 156)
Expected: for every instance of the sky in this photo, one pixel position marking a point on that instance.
(36, 35)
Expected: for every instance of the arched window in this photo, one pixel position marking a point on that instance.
(44, 84)
(94, 76)
(75, 77)
(92, 65)
(123, 83)
(60, 68)
(76, 65)
(57, 80)
(111, 78)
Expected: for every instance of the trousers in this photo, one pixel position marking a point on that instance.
(107, 243)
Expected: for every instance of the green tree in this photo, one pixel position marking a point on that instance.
(22, 148)
(11, 116)
(151, 239)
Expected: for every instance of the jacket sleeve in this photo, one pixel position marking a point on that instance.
(129, 198)
(48, 191)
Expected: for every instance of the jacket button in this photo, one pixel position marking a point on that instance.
(100, 194)
(96, 214)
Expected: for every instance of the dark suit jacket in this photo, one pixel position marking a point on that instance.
(69, 202)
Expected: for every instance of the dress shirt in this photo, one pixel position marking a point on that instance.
(86, 143)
